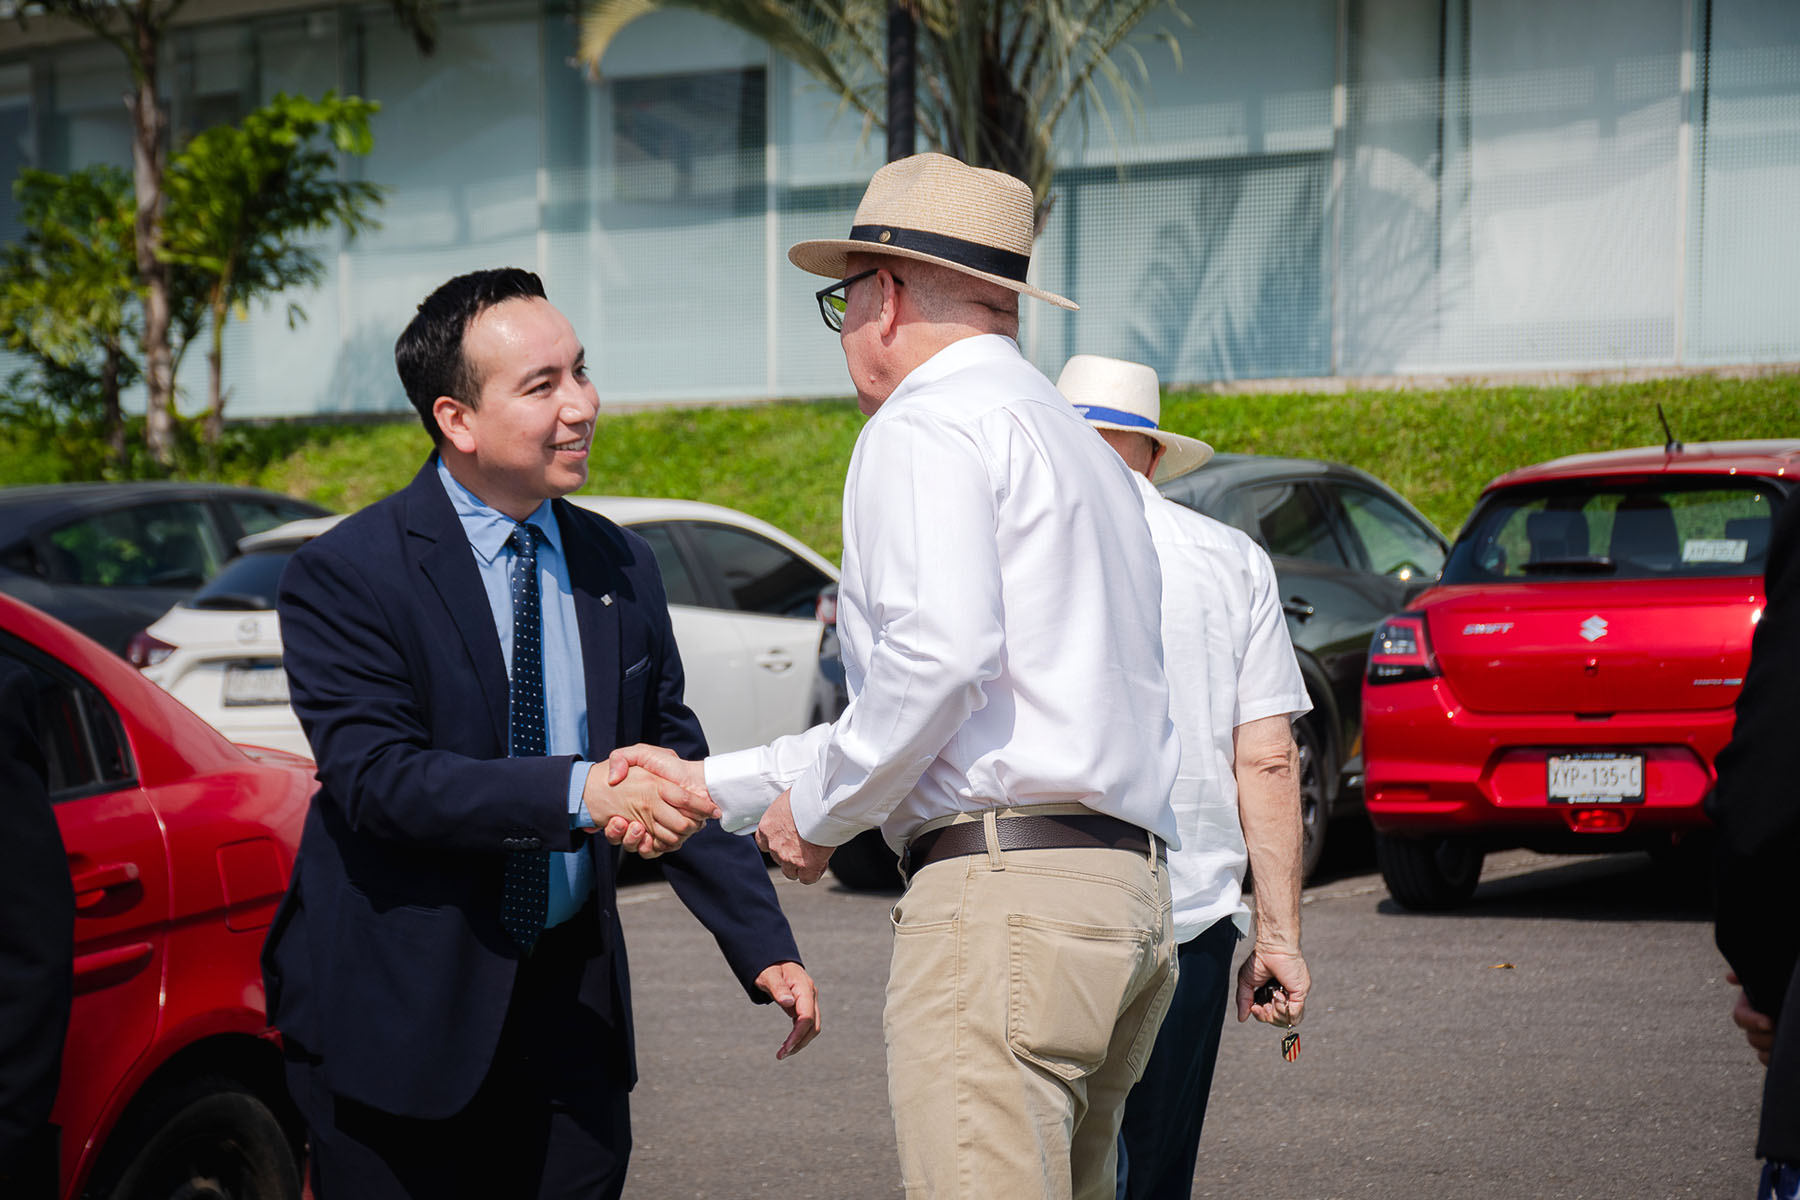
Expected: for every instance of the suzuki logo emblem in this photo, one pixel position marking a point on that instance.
(1594, 628)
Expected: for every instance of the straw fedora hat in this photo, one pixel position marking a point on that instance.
(1114, 394)
(937, 209)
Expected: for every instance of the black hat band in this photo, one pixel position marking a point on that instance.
(988, 259)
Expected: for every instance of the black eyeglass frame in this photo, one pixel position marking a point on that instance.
(832, 314)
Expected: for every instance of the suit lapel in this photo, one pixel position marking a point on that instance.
(595, 581)
(449, 565)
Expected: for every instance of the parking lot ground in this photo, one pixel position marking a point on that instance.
(1566, 1035)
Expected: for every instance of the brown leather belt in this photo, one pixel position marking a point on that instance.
(1077, 831)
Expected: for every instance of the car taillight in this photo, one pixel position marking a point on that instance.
(825, 610)
(146, 650)
(1401, 651)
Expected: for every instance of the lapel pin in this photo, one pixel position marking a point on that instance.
(607, 599)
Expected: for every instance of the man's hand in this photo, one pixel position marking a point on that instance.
(1289, 972)
(689, 778)
(1758, 1027)
(684, 773)
(664, 814)
(777, 837)
(793, 989)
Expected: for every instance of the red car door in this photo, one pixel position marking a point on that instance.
(120, 873)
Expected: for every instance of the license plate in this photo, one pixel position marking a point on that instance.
(1603, 778)
(246, 686)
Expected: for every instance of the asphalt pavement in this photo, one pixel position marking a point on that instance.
(1566, 1036)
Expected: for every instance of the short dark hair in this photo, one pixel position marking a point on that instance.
(429, 352)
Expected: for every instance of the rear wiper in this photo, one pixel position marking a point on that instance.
(1583, 564)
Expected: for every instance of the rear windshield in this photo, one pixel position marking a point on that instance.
(1685, 528)
(247, 582)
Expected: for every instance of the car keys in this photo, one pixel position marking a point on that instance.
(1290, 1044)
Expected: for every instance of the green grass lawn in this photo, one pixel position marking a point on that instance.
(785, 461)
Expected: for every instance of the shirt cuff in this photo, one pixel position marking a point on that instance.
(811, 820)
(579, 816)
(739, 787)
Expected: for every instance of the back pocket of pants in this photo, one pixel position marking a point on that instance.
(1068, 984)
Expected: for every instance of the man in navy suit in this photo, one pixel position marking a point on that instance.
(37, 945)
(448, 970)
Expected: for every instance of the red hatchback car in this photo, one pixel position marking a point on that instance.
(180, 846)
(1568, 682)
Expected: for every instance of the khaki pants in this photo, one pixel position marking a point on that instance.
(1023, 1000)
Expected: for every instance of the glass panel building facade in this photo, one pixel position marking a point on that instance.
(1311, 188)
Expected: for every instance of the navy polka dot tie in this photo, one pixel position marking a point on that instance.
(526, 898)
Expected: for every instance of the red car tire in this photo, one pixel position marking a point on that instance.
(1430, 874)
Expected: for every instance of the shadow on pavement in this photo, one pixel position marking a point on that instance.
(1618, 887)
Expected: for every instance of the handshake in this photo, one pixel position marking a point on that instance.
(651, 800)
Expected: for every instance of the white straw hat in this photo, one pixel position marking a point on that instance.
(1114, 394)
(937, 209)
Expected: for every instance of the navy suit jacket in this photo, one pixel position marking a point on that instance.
(387, 960)
(1756, 804)
(37, 945)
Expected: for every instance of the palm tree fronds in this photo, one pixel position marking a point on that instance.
(419, 18)
(995, 76)
(601, 23)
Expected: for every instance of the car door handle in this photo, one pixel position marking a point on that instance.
(93, 884)
(775, 661)
(1297, 608)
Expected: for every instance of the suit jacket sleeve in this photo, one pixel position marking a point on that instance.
(37, 924)
(1756, 803)
(720, 877)
(354, 691)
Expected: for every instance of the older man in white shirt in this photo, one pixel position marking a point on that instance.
(1234, 690)
(1008, 724)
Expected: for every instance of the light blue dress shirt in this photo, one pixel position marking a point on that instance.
(565, 688)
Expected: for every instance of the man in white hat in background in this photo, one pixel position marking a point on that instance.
(1234, 690)
(1008, 724)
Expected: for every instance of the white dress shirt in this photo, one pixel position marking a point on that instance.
(999, 619)
(1230, 662)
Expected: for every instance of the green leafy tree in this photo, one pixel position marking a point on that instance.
(995, 76)
(245, 200)
(242, 202)
(68, 302)
(136, 28)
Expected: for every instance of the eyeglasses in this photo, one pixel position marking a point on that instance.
(834, 300)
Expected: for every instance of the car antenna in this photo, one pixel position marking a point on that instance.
(1673, 445)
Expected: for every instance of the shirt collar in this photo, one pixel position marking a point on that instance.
(488, 528)
(957, 356)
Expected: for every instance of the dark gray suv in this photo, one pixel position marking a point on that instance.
(1348, 550)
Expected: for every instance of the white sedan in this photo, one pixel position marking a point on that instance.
(743, 599)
